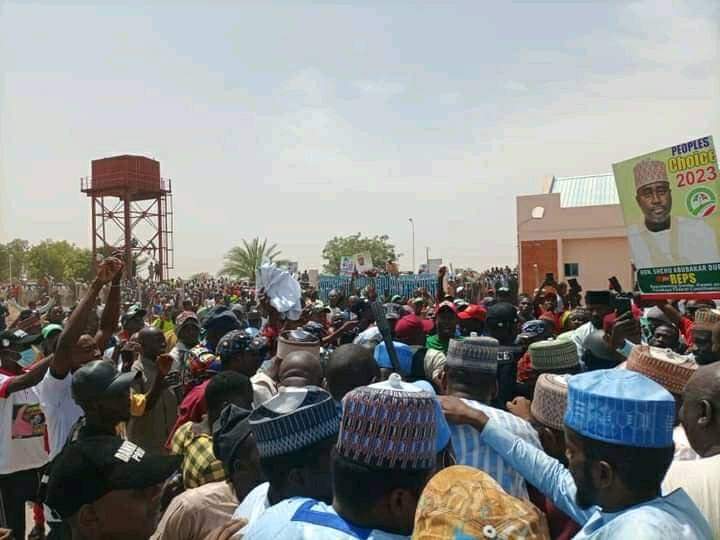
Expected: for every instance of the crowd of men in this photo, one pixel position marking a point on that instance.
(555, 415)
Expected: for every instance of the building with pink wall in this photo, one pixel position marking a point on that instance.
(574, 229)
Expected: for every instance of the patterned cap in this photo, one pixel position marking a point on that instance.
(620, 406)
(202, 361)
(464, 502)
(534, 328)
(665, 367)
(389, 425)
(706, 319)
(442, 435)
(294, 419)
(553, 355)
(297, 340)
(237, 341)
(550, 400)
(649, 172)
(476, 353)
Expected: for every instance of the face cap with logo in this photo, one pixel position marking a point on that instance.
(89, 469)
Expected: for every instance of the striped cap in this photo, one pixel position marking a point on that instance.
(706, 319)
(550, 400)
(663, 366)
(294, 419)
(390, 425)
(475, 353)
(553, 355)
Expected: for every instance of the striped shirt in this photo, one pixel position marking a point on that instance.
(471, 451)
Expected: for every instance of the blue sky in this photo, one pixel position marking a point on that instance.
(297, 121)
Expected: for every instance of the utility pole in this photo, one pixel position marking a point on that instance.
(412, 223)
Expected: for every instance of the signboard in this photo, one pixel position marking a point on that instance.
(347, 266)
(434, 265)
(363, 262)
(669, 200)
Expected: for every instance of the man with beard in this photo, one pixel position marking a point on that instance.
(706, 336)
(619, 443)
(664, 239)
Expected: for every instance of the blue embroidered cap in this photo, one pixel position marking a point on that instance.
(621, 407)
(294, 419)
(404, 356)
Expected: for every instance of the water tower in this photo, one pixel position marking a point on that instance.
(131, 211)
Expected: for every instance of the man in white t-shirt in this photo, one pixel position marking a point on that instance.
(75, 349)
(22, 426)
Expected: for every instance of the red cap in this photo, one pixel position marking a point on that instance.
(473, 311)
(410, 325)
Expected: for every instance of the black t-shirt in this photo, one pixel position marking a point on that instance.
(508, 357)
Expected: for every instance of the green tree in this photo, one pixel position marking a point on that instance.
(241, 262)
(379, 247)
(16, 250)
(61, 260)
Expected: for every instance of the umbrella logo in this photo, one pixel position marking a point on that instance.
(701, 202)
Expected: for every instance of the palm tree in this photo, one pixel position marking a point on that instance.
(241, 262)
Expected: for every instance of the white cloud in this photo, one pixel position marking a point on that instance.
(516, 86)
(379, 88)
(449, 98)
(308, 86)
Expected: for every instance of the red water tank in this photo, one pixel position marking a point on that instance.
(131, 173)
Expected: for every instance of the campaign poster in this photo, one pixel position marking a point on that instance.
(669, 201)
(363, 262)
(347, 266)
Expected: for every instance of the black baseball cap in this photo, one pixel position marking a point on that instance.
(502, 313)
(100, 379)
(90, 468)
(17, 340)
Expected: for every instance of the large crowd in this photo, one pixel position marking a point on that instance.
(218, 409)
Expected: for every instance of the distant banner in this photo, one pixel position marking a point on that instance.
(363, 262)
(405, 286)
(347, 266)
(670, 205)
